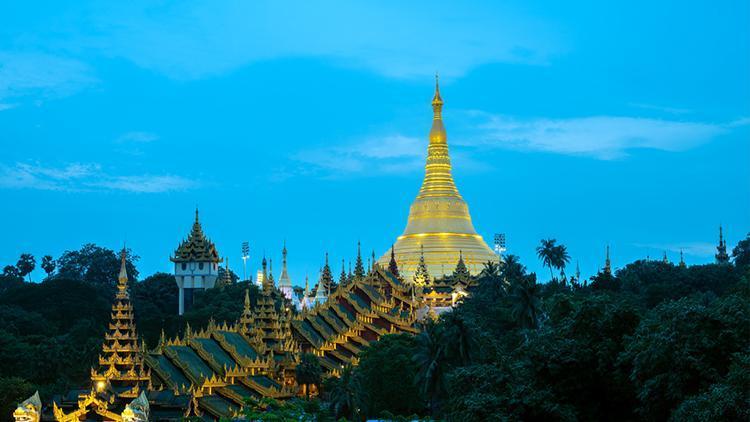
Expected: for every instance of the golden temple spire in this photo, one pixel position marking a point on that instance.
(437, 102)
(438, 180)
(439, 217)
(607, 263)
(122, 278)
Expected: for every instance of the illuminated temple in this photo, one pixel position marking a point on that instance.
(209, 373)
(439, 226)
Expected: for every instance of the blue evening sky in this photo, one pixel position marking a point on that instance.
(622, 123)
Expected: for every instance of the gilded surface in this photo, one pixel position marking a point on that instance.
(439, 219)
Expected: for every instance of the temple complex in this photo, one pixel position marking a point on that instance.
(439, 226)
(210, 372)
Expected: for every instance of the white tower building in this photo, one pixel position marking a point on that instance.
(196, 265)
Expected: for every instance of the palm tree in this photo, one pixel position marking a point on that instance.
(458, 338)
(546, 252)
(511, 268)
(308, 372)
(560, 259)
(526, 303)
(430, 358)
(346, 395)
(491, 269)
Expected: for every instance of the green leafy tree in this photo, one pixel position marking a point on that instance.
(726, 400)
(95, 264)
(511, 268)
(547, 253)
(11, 271)
(345, 395)
(684, 346)
(388, 376)
(560, 259)
(13, 390)
(431, 359)
(26, 264)
(223, 304)
(48, 265)
(741, 254)
(155, 303)
(527, 307)
(308, 372)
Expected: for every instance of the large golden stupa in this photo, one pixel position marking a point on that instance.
(439, 225)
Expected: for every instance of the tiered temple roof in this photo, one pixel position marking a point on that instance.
(209, 373)
(120, 363)
(197, 247)
(354, 316)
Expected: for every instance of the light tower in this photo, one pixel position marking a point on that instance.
(245, 257)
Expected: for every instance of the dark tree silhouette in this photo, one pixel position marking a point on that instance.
(26, 264)
(48, 265)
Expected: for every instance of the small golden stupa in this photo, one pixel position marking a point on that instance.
(439, 224)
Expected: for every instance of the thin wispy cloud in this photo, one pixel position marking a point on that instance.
(654, 107)
(78, 177)
(374, 156)
(40, 75)
(601, 137)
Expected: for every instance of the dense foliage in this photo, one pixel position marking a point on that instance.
(654, 341)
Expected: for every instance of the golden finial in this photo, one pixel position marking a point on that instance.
(437, 102)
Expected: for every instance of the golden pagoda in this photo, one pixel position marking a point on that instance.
(121, 362)
(439, 223)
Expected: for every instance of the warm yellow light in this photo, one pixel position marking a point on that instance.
(100, 386)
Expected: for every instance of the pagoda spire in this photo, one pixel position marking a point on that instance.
(421, 275)
(607, 263)
(359, 268)
(437, 101)
(438, 180)
(326, 277)
(122, 277)
(392, 264)
(461, 273)
(343, 277)
(722, 257)
(226, 277)
(664, 258)
(682, 260)
(120, 363)
(285, 283)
